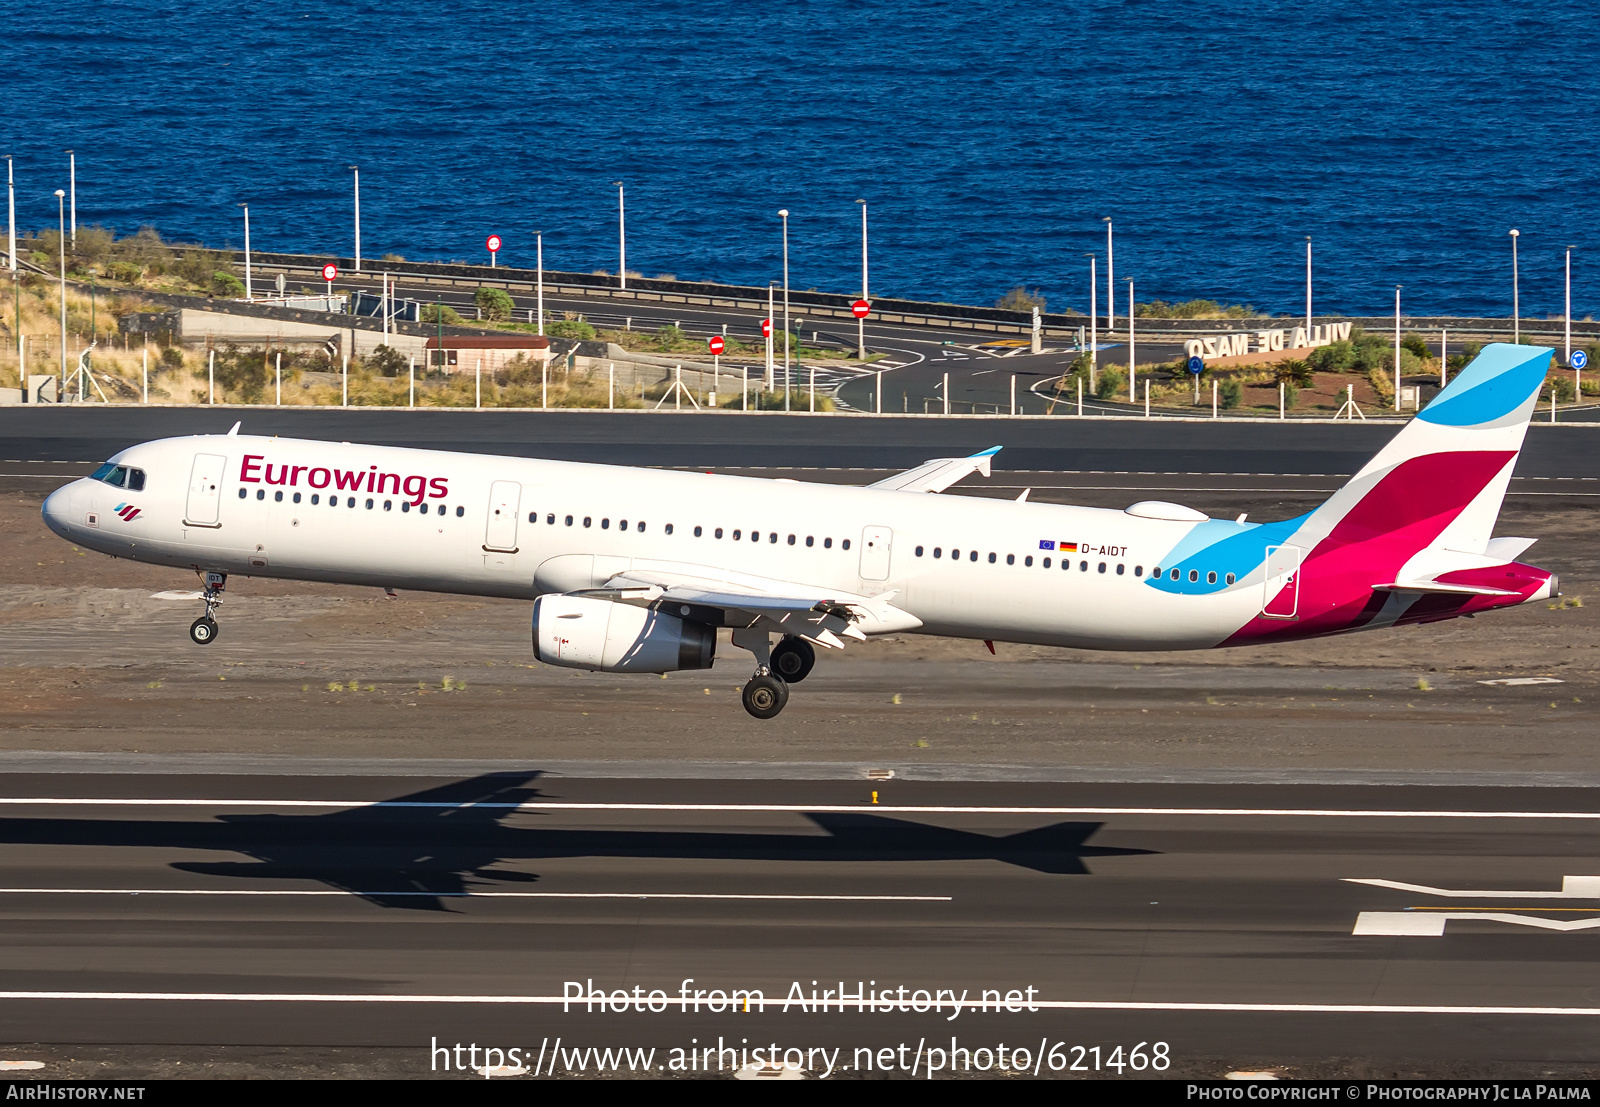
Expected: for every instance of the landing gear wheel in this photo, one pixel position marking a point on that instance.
(203, 630)
(765, 696)
(792, 660)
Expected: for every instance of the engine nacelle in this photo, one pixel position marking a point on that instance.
(578, 632)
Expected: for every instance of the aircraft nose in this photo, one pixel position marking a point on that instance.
(59, 509)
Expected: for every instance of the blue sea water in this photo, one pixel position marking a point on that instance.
(989, 140)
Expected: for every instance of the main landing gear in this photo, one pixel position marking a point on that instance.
(776, 668)
(203, 631)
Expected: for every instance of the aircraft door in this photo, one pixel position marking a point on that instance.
(205, 491)
(876, 543)
(501, 530)
(1282, 599)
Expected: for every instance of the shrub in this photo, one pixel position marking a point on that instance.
(1294, 371)
(671, 334)
(1565, 393)
(226, 284)
(574, 329)
(196, 265)
(494, 303)
(1230, 393)
(1415, 343)
(171, 357)
(388, 361)
(1110, 384)
(1021, 299)
(1193, 309)
(243, 373)
(1464, 358)
(431, 313)
(1290, 395)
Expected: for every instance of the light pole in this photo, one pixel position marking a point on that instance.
(1568, 313)
(1133, 361)
(771, 338)
(72, 177)
(539, 237)
(1094, 322)
(1516, 313)
(784, 214)
(1308, 289)
(622, 237)
(1111, 286)
(861, 323)
(11, 215)
(61, 223)
(1397, 347)
(356, 169)
(249, 288)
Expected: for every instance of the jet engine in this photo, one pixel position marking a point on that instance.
(578, 632)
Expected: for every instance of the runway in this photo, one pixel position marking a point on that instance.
(293, 910)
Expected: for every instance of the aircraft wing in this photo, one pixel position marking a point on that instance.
(938, 474)
(740, 601)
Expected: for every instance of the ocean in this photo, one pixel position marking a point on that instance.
(989, 141)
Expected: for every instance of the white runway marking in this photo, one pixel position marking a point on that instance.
(1572, 887)
(461, 895)
(1428, 924)
(1044, 1004)
(802, 809)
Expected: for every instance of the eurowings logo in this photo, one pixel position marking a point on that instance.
(127, 512)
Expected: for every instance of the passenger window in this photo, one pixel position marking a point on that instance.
(755, 536)
(315, 499)
(1083, 566)
(1175, 574)
(588, 521)
(569, 520)
(387, 504)
(1155, 574)
(1121, 569)
(1011, 559)
(460, 511)
(810, 541)
(297, 497)
(844, 544)
(351, 502)
(955, 555)
(135, 480)
(1102, 567)
(550, 520)
(605, 524)
(773, 537)
(533, 516)
(717, 533)
(697, 532)
(1138, 570)
(639, 527)
(405, 506)
(669, 528)
(261, 493)
(791, 540)
(277, 497)
(1046, 563)
(441, 509)
(991, 558)
(369, 504)
(737, 535)
(827, 543)
(919, 551)
(1231, 578)
(1028, 561)
(973, 556)
(937, 552)
(1194, 575)
(1211, 578)
(623, 525)
(243, 493)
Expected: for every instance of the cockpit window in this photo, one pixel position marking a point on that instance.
(119, 476)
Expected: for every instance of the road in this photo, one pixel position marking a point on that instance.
(145, 910)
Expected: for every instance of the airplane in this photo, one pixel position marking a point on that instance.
(635, 570)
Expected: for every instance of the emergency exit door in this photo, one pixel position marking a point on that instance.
(501, 530)
(875, 546)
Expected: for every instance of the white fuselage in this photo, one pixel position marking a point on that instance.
(519, 528)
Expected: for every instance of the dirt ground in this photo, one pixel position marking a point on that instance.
(92, 661)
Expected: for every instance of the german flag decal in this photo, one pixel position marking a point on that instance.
(1067, 547)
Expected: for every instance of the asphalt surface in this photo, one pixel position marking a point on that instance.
(1134, 913)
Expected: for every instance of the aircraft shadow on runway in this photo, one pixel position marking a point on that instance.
(416, 857)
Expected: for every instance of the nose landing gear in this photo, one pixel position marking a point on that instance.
(203, 631)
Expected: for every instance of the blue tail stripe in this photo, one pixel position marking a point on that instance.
(1498, 382)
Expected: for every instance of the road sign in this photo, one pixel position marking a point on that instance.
(330, 271)
(716, 344)
(766, 328)
(1197, 365)
(861, 309)
(493, 243)
(1580, 360)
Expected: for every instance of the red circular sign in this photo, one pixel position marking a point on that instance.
(330, 271)
(766, 328)
(716, 344)
(861, 309)
(493, 243)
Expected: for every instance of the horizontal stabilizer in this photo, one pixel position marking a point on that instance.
(938, 474)
(1435, 588)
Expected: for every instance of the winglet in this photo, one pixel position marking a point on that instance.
(234, 430)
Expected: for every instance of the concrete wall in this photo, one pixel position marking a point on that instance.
(198, 327)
